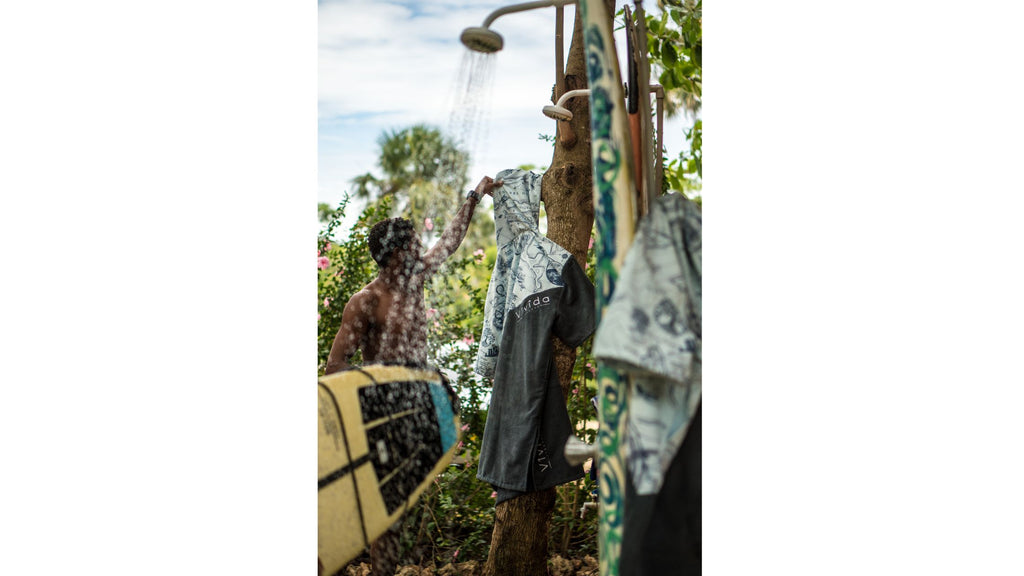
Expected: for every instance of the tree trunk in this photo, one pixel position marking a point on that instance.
(519, 544)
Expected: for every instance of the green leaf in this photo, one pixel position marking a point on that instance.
(674, 183)
(677, 15)
(680, 80)
(669, 54)
(666, 80)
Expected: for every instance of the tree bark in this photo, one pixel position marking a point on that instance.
(519, 544)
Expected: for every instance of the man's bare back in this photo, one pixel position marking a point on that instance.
(395, 320)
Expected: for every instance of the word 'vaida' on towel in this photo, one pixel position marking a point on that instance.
(537, 290)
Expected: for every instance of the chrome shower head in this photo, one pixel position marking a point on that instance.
(481, 39)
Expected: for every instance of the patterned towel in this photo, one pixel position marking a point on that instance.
(651, 330)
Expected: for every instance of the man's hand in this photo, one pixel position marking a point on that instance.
(487, 185)
(456, 230)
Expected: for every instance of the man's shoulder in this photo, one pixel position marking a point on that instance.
(364, 298)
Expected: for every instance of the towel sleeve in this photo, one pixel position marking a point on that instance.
(574, 321)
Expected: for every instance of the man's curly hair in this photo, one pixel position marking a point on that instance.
(388, 235)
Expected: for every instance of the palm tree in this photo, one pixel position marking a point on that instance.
(425, 172)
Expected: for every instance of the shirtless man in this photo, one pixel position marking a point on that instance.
(387, 318)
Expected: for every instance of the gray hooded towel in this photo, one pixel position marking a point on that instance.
(537, 289)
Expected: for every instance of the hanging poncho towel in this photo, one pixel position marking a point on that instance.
(537, 290)
(651, 330)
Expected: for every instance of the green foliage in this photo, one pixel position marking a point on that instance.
(417, 154)
(674, 44)
(454, 518)
(324, 212)
(684, 173)
(423, 170)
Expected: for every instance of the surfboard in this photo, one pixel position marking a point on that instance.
(385, 432)
(615, 215)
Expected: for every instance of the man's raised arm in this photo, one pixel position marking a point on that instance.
(457, 228)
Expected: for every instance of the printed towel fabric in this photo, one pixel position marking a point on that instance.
(537, 290)
(527, 262)
(651, 330)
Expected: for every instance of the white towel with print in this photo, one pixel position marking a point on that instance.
(651, 330)
(527, 262)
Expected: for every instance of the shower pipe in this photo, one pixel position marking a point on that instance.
(483, 39)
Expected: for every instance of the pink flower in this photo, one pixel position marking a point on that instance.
(590, 367)
(317, 316)
(480, 255)
(575, 391)
(327, 246)
(494, 494)
(327, 302)
(428, 224)
(437, 324)
(459, 445)
(431, 312)
(456, 555)
(322, 262)
(468, 339)
(465, 427)
(591, 243)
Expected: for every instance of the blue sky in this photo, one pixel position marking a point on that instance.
(388, 65)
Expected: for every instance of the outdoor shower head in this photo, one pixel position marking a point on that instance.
(559, 111)
(483, 39)
(480, 39)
